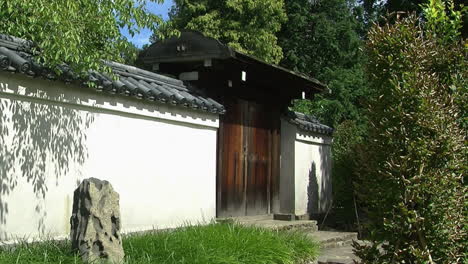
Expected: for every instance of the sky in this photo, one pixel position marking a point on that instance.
(143, 38)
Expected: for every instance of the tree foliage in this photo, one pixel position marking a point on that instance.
(376, 9)
(412, 170)
(332, 55)
(248, 26)
(389, 6)
(80, 33)
(322, 39)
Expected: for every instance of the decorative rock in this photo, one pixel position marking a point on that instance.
(95, 222)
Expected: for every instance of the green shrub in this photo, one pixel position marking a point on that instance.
(347, 136)
(412, 169)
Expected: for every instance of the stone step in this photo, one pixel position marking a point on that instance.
(298, 225)
(339, 255)
(269, 223)
(328, 239)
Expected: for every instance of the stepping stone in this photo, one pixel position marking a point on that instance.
(329, 239)
(339, 255)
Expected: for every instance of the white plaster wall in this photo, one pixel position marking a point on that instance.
(305, 178)
(312, 173)
(161, 159)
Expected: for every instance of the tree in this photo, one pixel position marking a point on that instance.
(80, 33)
(412, 170)
(331, 31)
(376, 9)
(332, 55)
(382, 7)
(390, 6)
(248, 26)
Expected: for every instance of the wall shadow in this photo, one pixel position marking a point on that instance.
(313, 191)
(320, 194)
(326, 197)
(38, 138)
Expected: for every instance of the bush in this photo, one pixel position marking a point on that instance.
(347, 136)
(412, 169)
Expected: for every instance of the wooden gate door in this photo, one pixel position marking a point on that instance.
(248, 159)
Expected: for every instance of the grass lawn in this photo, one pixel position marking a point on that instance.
(225, 243)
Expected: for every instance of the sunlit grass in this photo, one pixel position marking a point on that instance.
(225, 243)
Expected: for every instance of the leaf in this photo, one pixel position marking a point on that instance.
(82, 34)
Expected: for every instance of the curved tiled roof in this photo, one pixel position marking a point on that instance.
(15, 56)
(308, 123)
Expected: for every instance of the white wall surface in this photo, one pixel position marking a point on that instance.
(312, 173)
(305, 179)
(160, 159)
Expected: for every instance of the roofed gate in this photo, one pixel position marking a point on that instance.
(254, 94)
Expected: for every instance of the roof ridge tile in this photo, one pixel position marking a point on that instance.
(131, 80)
(308, 123)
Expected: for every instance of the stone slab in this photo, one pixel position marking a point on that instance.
(340, 255)
(329, 239)
(270, 223)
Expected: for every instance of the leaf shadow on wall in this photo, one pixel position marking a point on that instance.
(38, 139)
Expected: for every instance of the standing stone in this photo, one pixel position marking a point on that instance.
(95, 222)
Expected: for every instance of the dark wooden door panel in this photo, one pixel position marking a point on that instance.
(257, 194)
(231, 166)
(275, 166)
(258, 159)
(247, 159)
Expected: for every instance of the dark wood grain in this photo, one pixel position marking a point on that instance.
(248, 159)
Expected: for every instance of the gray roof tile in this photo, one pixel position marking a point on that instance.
(15, 56)
(308, 123)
